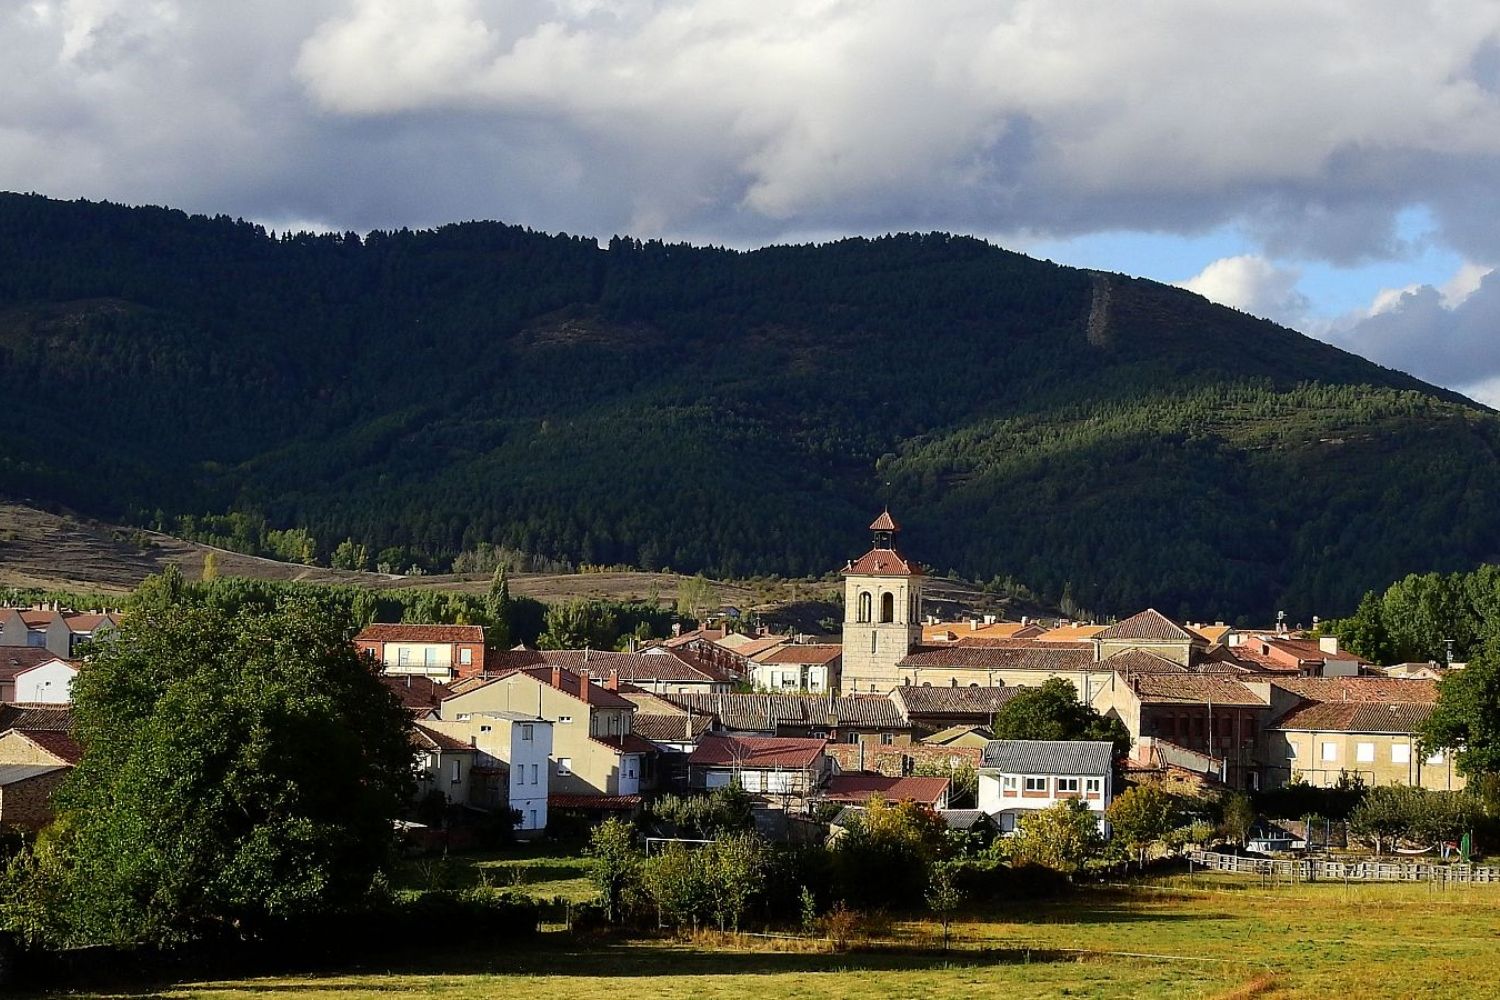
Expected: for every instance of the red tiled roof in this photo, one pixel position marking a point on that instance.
(629, 743)
(885, 522)
(1250, 660)
(1028, 657)
(858, 788)
(756, 752)
(1362, 688)
(59, 744)
(943, 700)
(810, 653)
(401, 632)
(1147, 626)
(568, 683)
(1138, 661)
(427, 738)
(1016, 641)
(881, 562)
(21, 715)
(602, 803)
(417, 693)
(682, 727)
(1193, 689)
(17, 659)
(1399, 718)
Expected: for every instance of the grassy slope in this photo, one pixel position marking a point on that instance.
(1212, 936)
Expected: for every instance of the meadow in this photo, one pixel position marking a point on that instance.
(1209, 935)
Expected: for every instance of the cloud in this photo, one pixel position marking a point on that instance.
(1447, 335)
(1254, 285)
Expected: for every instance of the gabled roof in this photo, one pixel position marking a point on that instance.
(964, 819)
(959, 630)
(428, 738)
(1139, 661)
(402, 632)
(885, 522)
(976, 701)
(764, 712)
(1071, 633)
(1193, 689)
(1029, 657)
(20, 715)
(818, 654)
(1147, 626)
(1393, 718)
(568, 683)
(857, 788)
(1048, 756)
(755, 648)
(1361, 688)
(59, 744)
(684, 727)
(756, 752)
(954, 733)
(629, 743)
(16, 660)
(881, 562)
(417, 693)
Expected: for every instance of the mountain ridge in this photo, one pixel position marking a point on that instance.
(737, 412)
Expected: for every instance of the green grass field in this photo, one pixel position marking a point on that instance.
(1204, 936)
(542, 871)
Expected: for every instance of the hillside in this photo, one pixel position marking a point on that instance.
(735, 413)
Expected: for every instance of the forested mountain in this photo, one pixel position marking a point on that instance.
(736, 413)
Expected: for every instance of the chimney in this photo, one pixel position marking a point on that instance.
(973, 624)
(583, 687)
(556, 676)
(1329, 644)
(613, 683)
(676, 629)
(989, 619)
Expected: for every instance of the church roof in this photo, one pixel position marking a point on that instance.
(881, 562)
(885, 522)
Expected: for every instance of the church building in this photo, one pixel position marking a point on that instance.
(882, 612)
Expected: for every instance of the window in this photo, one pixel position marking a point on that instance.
(1093, 785)
(1330, 751)
(564, 720)
(874, 639)
(565, 765)
(429, 656)
(887, 607)
(458, 771)
(1400, 753)
(525, 732)
(1067, 784)
(1008, 782)
(1036, 784)
(864, 606)
(486, 729)
(531, 823)
(886, 739)
(1364, 753)
(851, 737)
(403, 656)
(1291, 749)
(466, 656)
(535, 778)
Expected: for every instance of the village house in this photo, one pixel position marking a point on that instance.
(33, 763)
(437, 651)
(595, 751)
(34, 674)
(812, 668)
(422, 697)
(444, 764)
(1212, 714)
(1002, 663)
(1021, 776)
(1319, 742)
(513, 766)
(62, 633)
(931, 709)
(861, 721)
(780, 772)
(858, 789)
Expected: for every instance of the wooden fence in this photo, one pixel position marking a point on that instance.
(1311, 870)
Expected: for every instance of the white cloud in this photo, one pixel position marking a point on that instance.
(1254, 285)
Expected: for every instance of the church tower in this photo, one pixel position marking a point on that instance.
(882, 612)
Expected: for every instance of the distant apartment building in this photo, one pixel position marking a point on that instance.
(441, 652)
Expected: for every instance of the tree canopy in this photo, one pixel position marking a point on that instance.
(240, 769)
(1053, 711)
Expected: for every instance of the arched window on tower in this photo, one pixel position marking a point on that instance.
(864, 606)
(887, 607)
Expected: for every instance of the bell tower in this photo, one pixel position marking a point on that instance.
(882, 612)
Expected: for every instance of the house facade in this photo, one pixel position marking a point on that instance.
(437, 651)
(1021, 776)
(48, 683)
(783, 773)
(1320, 742)
(813, 668)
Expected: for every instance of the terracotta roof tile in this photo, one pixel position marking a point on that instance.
(1362, 688)
(427, 738)
(810, 653)
(1193, 689)
(885, 522)
(684, 727)
(1147, 626)
(629, 743)
(20, 715)
(881, 562)
(402, 632)
(764, 712)
(568, 683)
(944, 700)
(15, 659)
(601, 803)
(418, 694)
(1028, 657)
(59, 744)
(857, 788)
(756, 752)
(1399, 718)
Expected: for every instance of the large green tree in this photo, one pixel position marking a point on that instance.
(1466, 719)
(239, 770)
(1052, 711)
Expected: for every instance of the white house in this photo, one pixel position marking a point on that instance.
(1021, 776)
(810, 667)
(49, 683)
(511, 768)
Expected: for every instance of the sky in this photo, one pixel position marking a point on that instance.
(1334, 167)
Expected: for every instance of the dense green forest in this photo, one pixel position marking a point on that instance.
(409, 397)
